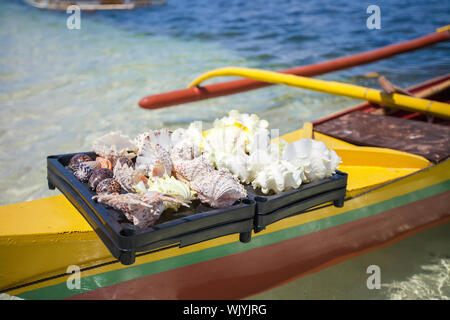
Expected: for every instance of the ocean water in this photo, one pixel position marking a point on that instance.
(415, 268)
(61, 88)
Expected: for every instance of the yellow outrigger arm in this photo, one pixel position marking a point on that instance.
(343, 89)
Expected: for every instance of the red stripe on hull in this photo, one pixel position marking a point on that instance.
(247, 273)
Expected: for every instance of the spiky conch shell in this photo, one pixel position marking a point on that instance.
(142, 210)
(318, 162)
(192, 136)
(217, 188)
(154, 161)
(113, 145)
(153, 157)
(161, 137)
(127, 177)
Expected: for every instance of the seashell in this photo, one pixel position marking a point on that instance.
(77, 159)
(104, 163)
(133, 207)
(154, 161)
(82, 172)
(243, 165)
(114, 145)
(230, 140)
(125, 160)
(127, 177)
(278, 177)
(317, 160)
(161, 137)
(191, 136)
(142, 210)
(94, 165)
(217, 188)
(234, 141)
(98, 175)
(108, 185)
(248, 125)
(171, 186)
(237, 164)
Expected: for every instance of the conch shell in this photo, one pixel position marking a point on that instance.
(192, 136)
(161, 137)
(154, 157)
(114, 145)
(154, 161)
(143, 210)
(217, 188)
(127, 177)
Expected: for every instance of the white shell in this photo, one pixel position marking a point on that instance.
(278, 177)
(154, 161)
(317, 160)
(153, 157)
(113, 145)
(161, 137)
(192, 136)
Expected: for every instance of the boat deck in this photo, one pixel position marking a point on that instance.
(431, 141)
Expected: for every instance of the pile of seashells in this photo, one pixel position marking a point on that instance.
(163, 169)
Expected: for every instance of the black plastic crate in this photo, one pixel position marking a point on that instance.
(271, 208)
(185, 227)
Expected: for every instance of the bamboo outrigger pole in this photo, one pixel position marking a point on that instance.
(231, 87)
(396, 100)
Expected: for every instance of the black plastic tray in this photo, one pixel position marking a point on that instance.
(271, 208)
(185, 227)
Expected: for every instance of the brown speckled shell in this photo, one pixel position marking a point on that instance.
(98, 175)
(125, 160)
(82, 172)
(107, 186)
(77, 159)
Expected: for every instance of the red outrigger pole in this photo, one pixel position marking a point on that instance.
(231, 87)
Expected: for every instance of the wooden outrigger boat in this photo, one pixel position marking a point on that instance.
(92, 5)
(395, 188)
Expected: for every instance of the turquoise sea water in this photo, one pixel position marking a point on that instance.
(61, 88)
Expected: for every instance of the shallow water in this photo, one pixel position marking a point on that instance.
(414, 268)
(61, 88)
